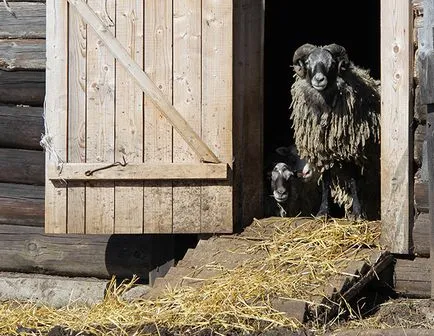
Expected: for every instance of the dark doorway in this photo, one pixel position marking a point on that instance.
(289, 24)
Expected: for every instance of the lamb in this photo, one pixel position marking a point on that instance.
(293, 185)
(336, 121)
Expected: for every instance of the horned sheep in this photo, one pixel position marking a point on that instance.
(336, 120)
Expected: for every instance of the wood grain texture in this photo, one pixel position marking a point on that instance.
(247, 116)
(187, 97)
(396, 116)
(413, 277)
(22, 166)
(216, 206)
(426, 71)
(421, 235)
(29, 22)
(139, 171)
(129, 117)
(29, 250)
(100, 120)
(76, 118)
(22, 55)
(421, 196)
(158, 131)
(56, 109)
(21, 127)
(147, 84)
(426, 55)
(21, 204)
(22, 87)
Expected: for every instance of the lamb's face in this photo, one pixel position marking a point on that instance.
(280, 182)
(321, 69)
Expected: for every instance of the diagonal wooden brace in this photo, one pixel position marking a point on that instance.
(146, 84)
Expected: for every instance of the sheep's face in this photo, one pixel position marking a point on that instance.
(280, 182)
(320, 66)
(321, 69)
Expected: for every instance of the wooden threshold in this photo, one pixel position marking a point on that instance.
(138, 171)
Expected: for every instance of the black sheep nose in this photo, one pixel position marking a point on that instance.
(319, 78)
(280, 191)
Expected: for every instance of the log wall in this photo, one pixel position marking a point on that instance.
(23, 245)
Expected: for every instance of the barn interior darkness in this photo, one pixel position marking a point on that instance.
(289, 24)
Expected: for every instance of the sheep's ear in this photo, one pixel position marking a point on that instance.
(298, 60)
(284, 151)
(340, 55)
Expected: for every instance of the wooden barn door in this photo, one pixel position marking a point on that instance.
(139, 116)
(397, 213)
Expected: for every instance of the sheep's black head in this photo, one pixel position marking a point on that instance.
(320, 65)
(281, 177)
(285, 173)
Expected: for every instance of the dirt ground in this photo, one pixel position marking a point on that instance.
(406, 313)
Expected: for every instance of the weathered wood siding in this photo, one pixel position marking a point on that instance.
(186, 50)
(426, 71)
(396, 118)
(23, 244)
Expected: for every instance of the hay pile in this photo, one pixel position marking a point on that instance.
(301, 257)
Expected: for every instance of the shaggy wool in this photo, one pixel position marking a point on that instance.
(337, 129)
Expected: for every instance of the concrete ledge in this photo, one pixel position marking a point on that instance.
(57, 291)
(54, 291)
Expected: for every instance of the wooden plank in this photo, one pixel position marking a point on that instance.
(419, 143)
(421, 235)
(100, 121)
(187, 100)
(426, 71)
(56, 110)
(158, 131)
(396, 116)
(129, 117)
(413, 278)
(29, 22)
(153, 91)
(430, 161)
(216, 206)
(22, 166)
(426, 55)
(29, 250)
(22, 87)
(21, 204)
(139, 171)
(421, 196)
(22, 55)
(21, 127)
(76, 118)
(248, 111)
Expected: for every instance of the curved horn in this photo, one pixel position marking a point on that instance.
(299, 56)
(340, 55)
